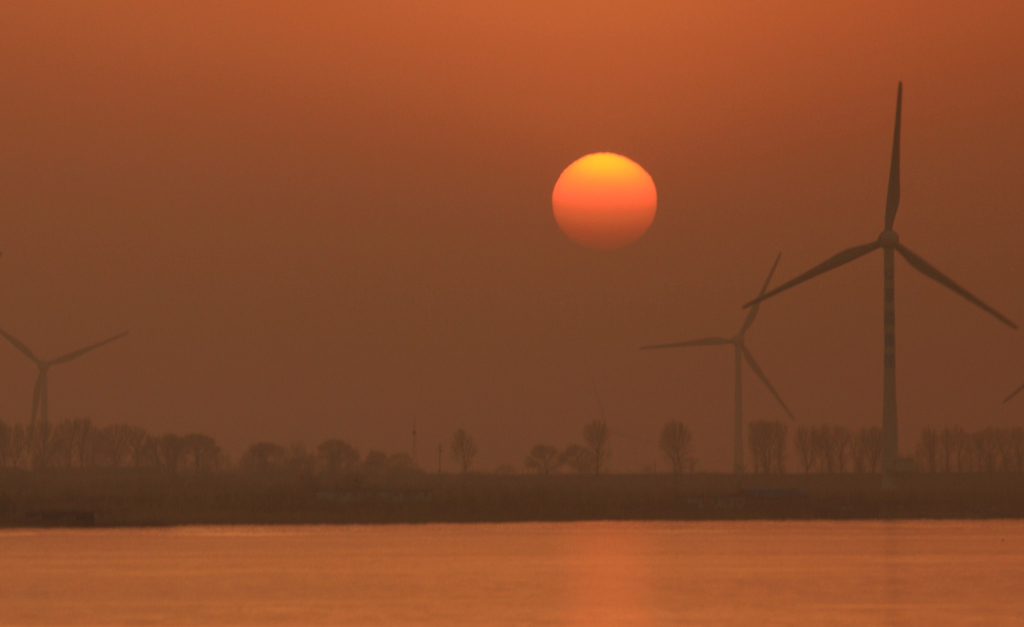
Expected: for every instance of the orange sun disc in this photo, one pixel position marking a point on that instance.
(604, 201)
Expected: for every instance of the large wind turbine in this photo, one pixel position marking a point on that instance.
(40, 396)
(889, 242)
(741, 353)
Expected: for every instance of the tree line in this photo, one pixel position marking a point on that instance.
(825, 448)
(838, 449)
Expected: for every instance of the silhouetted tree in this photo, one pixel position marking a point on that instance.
(170, 449)
(825, 444)
(595, 434)
(136, 438)
(869, 445)
(376, 463)
(958, 441)
(59, 447)
(202, 451)
(842, 440)
(986, 449)
(5, 438)
(579, 458)
(543, 459)
(263, 457)
(767, 442)
(82, 441)
(17, 445)
(674, 443)
(806, 449)
(928, 449)
(116, 444)
(1016, 448)
(399, 464)
(337, 456)
(299, 460)
(463, 449)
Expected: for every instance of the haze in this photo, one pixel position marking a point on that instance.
(323, 221)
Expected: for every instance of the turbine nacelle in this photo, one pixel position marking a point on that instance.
(889, 239)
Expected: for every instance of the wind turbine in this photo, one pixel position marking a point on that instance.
(889, 242)
(40, 395)
(741, 353)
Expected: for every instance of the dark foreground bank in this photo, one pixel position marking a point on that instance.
(132, 497)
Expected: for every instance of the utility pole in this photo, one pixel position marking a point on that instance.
(439, 448)
(413, 441)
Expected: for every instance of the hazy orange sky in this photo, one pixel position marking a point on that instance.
(319, 220)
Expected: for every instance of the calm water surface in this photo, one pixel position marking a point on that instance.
(593, 574)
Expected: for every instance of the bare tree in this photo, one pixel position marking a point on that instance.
(82, 440)
(337, 456)
(170, 449)
(806, 449)
(596, 435)
(767, 441)
(928, 449)
(376, 462)
(5, 439)
(136, 438)
(116, 443)
(1016, 448)
(869, 444)
(986, 449)
(825, 444)
(1004, 449)
(841, 440)
(263, 457)
(463, 449)
(201, 450)
(17, 445)
(579, 458)
(960, 446)
(675, 444)
(543, 459)
(759, 441)
(779, 446)
(401, 464)
(60, 446)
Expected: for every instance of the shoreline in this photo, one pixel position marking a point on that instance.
(134, 498)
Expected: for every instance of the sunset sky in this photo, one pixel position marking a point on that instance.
(318, 220)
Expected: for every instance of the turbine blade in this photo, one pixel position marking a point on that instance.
(831, 263)
(892, 199)
(753, 310)
(931, 272)
(1015, 393)
(764, 379)
(704, 341)
(63, 359)
(18, 344)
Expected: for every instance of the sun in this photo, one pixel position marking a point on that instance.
(604, 201)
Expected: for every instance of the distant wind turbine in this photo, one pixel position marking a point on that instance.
(889, 242)
(40, 395)
(741, 353)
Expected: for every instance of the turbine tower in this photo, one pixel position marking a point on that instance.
(740, 353)
(41, 393)
(889, 242)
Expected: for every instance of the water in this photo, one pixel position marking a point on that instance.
(593, 574)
